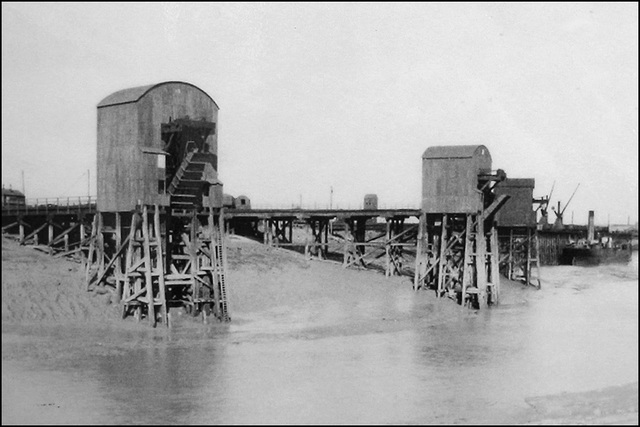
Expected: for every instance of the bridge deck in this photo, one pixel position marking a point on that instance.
(318, 213)
(302, 214)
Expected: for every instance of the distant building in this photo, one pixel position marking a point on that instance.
(370, 202)
(622, 228)
(12, 198)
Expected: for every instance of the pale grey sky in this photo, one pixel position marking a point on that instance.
(342, 95)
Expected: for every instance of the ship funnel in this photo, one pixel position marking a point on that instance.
(591, 230)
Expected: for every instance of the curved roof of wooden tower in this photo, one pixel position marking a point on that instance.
(134, 94)
(452, 151)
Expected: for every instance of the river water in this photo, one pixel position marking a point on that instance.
(578, 333)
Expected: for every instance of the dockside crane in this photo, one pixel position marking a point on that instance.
(558, 224)
(543, 205)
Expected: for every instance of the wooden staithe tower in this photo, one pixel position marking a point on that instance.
(158, 234)
(457, 248)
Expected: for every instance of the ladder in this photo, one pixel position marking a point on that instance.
(197, 266)
(219, 264)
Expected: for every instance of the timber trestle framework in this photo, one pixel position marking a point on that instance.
(158, 259)
(518, 231)
(390, 243)
(457, 256)
(520, 254)
(457, 252)
(357, 234)
(58, 229)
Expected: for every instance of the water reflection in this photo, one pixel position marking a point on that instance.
(321, 363)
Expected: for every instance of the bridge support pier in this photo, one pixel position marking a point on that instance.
(320, 237)
(394, 252)
(157, 258)
(519, 254)
(278, 231)
(457, 256)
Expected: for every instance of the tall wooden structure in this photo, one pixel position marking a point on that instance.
(457, 247)
(158, 235)
(518, 233)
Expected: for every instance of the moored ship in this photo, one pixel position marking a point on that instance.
(592, 251)
(595, 254)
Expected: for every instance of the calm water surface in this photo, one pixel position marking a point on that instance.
(579, 333)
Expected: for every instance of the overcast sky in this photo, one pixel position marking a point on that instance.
(348, 96)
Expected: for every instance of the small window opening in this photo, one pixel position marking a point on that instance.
(162, 186)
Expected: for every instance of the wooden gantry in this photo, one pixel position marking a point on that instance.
(278, 231)
(157, 259)
(319, 245)
(390, 243)
(359, 247)
(457, 256)
(518, 233)
(520, 255)
(457, 253)
(153, 258)
(60, 230)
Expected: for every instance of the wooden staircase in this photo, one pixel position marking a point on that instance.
(185, 189)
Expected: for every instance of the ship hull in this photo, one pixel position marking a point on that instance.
(595, 256)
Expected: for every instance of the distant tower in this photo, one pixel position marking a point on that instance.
(370, 202)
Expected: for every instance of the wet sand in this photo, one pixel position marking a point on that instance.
(277, 298)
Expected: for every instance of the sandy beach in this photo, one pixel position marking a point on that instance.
(49, 320)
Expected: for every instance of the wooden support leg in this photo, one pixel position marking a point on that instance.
(420, 246)
(118, 266)
(82, 240)
(159, 258)
(129, 286)
(148, 267)
(100, 250)
(361, 229)
(92, 247)
(345, 250)
(468, 258)
(442, 259)
(387, 271)
(266, 238)
(50, 238)
(325, 252)
(495, 279)
(481, 259)
(537, 257)
(511, 255)
(193, 264)
(527, 253)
